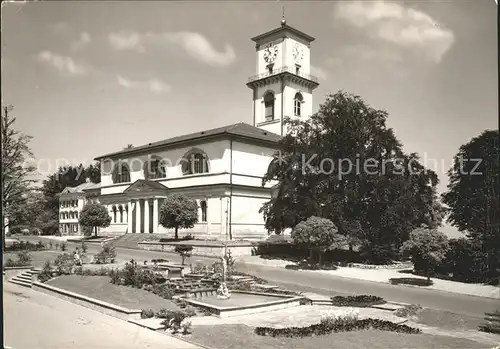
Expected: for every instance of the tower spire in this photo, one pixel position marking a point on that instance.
(283, 21)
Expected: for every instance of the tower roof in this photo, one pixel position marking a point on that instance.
(285, 28)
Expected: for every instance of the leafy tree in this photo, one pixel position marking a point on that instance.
(94, 215)
(472, 195)
(427, 248)
(318, 234)
(178, 211)
(346, 165)
(17, 174)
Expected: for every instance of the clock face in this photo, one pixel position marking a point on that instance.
(297, 53)
(270, 53)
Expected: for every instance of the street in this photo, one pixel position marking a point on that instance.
(33, 320)
(330, 284)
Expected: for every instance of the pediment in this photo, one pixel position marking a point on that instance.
(144, 186)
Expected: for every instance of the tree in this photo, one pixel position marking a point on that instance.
(184, 251)
(94, 216)
(427, 248)
(472, 195)
(16, 172)
(346, 165)
(178, 211)
(318, 234)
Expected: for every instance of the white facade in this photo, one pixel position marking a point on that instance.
(71, 202)
(222, 169)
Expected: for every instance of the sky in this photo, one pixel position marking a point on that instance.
(88, 78)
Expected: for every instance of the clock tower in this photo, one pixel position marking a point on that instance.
(283, 85)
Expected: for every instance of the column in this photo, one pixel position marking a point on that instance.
(208, 219)
(138, 216)
(129, 215)
(146, 215)
(155, 216)
(125, 214)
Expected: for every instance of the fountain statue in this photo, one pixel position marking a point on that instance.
(223, 291)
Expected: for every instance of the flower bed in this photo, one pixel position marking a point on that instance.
(327, 327)
(362, 301)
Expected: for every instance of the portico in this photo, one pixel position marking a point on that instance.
(144, 201)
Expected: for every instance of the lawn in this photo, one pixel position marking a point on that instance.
(447, 320)
(241, 336)
(99, 287)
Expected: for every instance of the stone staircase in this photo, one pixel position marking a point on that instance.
(25, 278)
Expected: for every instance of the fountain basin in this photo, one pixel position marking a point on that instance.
(244, 302)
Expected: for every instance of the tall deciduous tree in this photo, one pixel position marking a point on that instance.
(346, 165)
(178, 211)
(94, 216)
(427, 248)
(472, 194)
(16, 171)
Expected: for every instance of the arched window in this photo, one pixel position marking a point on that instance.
(297, 104)
(203, 206)
(121, 173)
(114, 214)
(269, 106)
(195, 162)
(120, 208)
(155, 168)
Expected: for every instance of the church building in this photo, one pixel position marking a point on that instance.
(221, 168)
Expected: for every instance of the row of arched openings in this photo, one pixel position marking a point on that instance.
(193, 162)
(119, 213)
(68, 215)
(269, 101)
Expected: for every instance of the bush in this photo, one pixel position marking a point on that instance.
(184, 251)
(362, 301)
(63, 246)
(64, 264)
(106, 255)
(147, 313)
(201, 268)
(337, 325)
(159, 260)
(163, 291)
(25, 246)
(184, 238)
(174, 320)
(46, 273)
(84, 248)
(411, 281)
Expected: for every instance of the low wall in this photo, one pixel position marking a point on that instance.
(281, 302)
(87, 302)
(200, 248)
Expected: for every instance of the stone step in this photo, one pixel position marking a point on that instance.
(23, 277)
(21, 283)
(387, 306)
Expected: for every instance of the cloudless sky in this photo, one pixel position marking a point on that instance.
(88, 78)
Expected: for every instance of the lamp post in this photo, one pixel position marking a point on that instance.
(223, 291)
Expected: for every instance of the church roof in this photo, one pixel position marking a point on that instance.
(80, 188)
(284, 28)
(240, 130)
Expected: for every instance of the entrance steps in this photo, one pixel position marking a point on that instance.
(25, 278)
